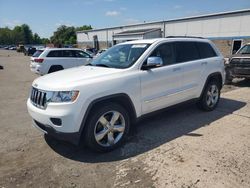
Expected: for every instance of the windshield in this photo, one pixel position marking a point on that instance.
(244, 50)
(120, 56)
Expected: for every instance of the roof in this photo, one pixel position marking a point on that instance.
(53, 48)
(173, 20)
(136, 32)
(142, 41)
(151, 41)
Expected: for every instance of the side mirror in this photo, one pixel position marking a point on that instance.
(153, 62)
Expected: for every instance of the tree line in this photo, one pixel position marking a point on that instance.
(67, 35)
(23, 35)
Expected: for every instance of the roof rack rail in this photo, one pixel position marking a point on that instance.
(184, 37)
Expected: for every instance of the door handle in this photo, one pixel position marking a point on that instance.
(204, 63)
(176, 69)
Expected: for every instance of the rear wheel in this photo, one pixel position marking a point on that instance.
(55, 68)
(210, 97)
(107, 127)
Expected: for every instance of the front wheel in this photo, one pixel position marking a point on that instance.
(107, 127)
(210, 97)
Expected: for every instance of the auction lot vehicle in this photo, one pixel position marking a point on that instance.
(50, 60)
(98, 103)
(239, 64)
(20, 48)
(29, 50)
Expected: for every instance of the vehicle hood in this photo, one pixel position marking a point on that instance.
(70, 77)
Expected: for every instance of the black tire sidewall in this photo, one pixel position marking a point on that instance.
(54, 69)
(89, 138)
(203, 103)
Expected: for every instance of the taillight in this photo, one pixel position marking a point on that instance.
(38, 60)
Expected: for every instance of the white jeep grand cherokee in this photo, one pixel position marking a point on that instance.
(100, 102)
(50, 60)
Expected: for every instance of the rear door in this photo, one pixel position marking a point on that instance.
(69, 59)
(188, 56)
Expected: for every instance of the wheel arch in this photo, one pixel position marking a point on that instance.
(120, 98)
(213, 76)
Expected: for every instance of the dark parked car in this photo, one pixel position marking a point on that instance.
(92, 51)
(239, 64)
(29, 50)
(12, 48)
(9, 47)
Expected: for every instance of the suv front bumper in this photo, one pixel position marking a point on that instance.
(73, 138)
(68, 130)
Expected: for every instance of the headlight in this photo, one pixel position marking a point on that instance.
(62, 96)
(226, 61)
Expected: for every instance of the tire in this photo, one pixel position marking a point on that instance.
(101, 133)
(228, 81)
(210, 96)
(55, 68)
(229, 78)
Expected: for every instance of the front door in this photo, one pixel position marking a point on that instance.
(160, 86)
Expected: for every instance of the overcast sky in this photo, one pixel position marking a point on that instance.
(44, 16)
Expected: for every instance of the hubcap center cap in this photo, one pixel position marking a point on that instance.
(110, 127)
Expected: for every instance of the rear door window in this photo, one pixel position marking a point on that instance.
(68, 53)
(55, 53)
(186, 51)
(205, 50)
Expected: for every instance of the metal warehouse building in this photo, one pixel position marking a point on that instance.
(228, 30)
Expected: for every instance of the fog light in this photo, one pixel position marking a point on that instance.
(56, 121)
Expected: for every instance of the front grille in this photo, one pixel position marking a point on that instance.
(38, 98)
(242, 62)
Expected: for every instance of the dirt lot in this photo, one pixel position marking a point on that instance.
(180, 147)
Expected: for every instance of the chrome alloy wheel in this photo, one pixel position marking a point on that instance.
(212, 95)
(109, 128)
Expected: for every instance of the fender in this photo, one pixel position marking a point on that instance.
(122, 98)
(210, 77)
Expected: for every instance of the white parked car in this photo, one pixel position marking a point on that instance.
(100, 102)
(50, 60)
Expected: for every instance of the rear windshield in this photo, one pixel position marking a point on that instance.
(37, 53)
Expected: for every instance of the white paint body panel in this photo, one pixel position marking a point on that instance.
(149, 90)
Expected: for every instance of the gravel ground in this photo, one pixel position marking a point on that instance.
(180, 147)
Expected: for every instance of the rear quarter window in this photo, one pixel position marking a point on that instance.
(37, 53)
(205, 50)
